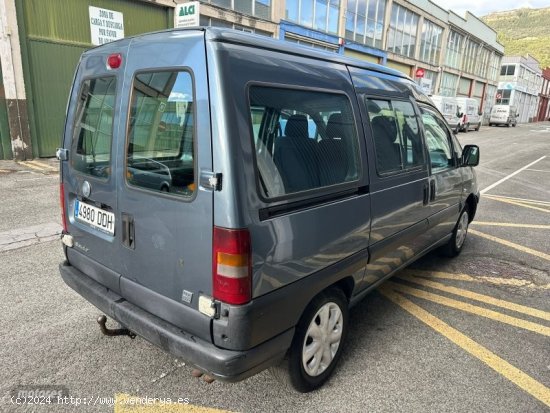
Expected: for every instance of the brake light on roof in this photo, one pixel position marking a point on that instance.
(114, 61)
(231, 266)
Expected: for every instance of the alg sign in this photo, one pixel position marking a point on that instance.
(187, 15)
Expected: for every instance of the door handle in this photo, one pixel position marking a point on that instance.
(128, 231)
(426, 197)
(432, 190)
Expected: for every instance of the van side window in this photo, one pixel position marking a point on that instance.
(438, 140)
(396, 135)
(305, 140)
(160, 150)
(93, 133)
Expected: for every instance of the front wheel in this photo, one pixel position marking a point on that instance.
(317, 343)
(455, 244)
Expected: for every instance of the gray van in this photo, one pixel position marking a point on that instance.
(229, 197)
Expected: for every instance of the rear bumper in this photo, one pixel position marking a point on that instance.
(226, 365)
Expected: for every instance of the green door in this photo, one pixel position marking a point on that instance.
(54, 33)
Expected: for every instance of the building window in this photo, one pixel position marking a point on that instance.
(448, 84)
(454, 50)
(256, 8)
(494, 65)
(430, 45)
(503, 96)
(319, 15)
(508, 70)
(365, 21)
(402, 31)
(209, 21)
(469, 61)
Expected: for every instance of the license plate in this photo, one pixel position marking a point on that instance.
(95, 217)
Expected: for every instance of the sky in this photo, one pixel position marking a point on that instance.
(483, 7)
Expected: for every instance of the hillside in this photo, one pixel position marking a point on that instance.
(523, 31)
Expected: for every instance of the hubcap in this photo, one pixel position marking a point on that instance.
(322, 339)
(462, 230)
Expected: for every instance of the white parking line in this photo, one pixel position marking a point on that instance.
(511, 175)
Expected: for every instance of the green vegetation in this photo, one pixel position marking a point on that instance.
(523, 31)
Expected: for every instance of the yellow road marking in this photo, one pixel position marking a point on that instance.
(508, 224)
(125, 403)
(28, 165)
(42, 165)
(479, 297)
(511, 244)
(472, 309)
(465, 277)
(518, 203)
(525, 200)
(501, 366)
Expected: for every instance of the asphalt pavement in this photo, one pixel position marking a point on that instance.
(447, 335)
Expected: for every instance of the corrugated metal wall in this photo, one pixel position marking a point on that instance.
(5, 142)
(54, 33)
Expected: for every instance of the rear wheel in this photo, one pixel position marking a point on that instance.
(455, 244)
(317, 343)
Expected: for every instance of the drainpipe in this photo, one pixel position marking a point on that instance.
(14, 87)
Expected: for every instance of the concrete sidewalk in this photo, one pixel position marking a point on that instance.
(29, 200)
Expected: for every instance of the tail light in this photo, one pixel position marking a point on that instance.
(231, 266)
(63, 210)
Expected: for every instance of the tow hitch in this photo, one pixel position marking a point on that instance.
(111, 332)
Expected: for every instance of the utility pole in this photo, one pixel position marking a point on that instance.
(14, 86)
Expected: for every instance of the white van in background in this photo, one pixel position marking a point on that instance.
(471, 116)
(504, 115)
(448, 107)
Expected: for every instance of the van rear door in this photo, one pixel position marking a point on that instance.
(165, 212)
(88, 173)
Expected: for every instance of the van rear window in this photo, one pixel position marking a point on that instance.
(160, 149)
(304, 139)
(93, 133)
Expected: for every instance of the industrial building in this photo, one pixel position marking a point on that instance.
(41, 41)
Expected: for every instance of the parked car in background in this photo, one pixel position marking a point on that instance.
(448, 106)
(504, 115)
(471, 115)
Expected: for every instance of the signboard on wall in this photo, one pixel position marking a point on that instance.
(105, 25)
(426, 85)
(187, 15)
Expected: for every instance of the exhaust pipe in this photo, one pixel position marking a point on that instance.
(111, 332)
(197, 373)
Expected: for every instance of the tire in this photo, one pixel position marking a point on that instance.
(308, 369)
(456, 243)
(478, 127)
(490, 124)
(514, 124)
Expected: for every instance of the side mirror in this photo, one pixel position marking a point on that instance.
(470, 155)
